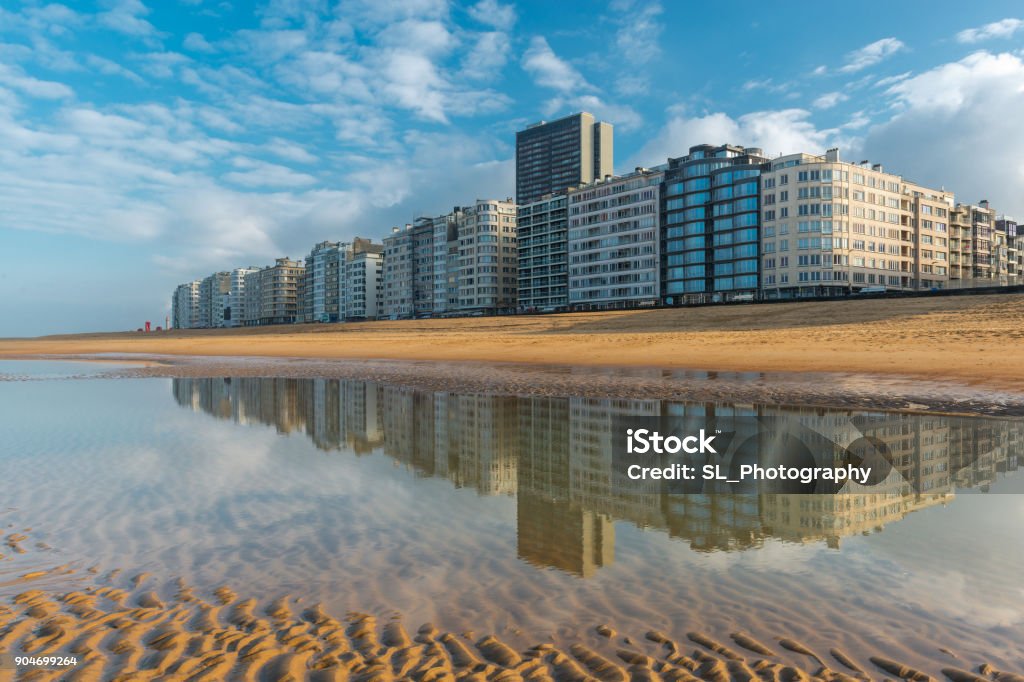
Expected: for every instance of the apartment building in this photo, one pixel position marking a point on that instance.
(185, 305)
(614, 241)
(982, 251)
(213, 291)
(361, 289)
(423, 267)
(554, 156)
(1007, 227)
(399, 273)
(234, 310)
(272, 294)
(487, 262)
(542, 239)
(252, 289)
(832, 227)
(321, 282)
(445, 249)
(711, 216)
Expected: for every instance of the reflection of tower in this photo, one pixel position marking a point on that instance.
(719, 521)
(482, 451)
(559, 534)
(591, 475)
(358, 412)
(318, 400)
(551, 530)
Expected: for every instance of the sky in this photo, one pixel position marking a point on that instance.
(144, 144)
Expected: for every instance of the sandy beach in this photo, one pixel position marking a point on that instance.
(967, 339)
(124, 625)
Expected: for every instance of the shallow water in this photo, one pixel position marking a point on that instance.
(497, 514)
(56, 369)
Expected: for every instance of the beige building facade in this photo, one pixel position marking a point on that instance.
(832, 227)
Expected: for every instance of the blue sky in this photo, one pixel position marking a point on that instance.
(144, 144)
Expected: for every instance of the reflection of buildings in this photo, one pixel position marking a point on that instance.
(555, 456)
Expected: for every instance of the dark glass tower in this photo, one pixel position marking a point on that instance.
(554, 156)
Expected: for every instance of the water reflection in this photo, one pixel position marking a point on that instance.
(554, 456)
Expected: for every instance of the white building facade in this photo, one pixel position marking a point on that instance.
(614, 241)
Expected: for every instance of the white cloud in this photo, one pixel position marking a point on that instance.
(488, 56)
(637, 38)
(424, 37)
(267, 47)
(1004, 28)
(871, 54)
(288, 150)
(195, 42)
(111, 68)
(782, 131)
(631, 85)
(16, 79)
(829, 100)
(126, 16)
(256, 173)
(954, 126)
(414, 83)
(550, 71)
(768, 85)
(890, 80)
(320, 73)
(494, 14)
(162, 64)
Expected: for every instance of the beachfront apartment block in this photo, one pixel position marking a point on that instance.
(542, 238)
(614, 241)
(185, 305)
(400, 279)
(361, 281)
(234, 310)
(552, 156)
(976, 246)
(1007, 228)
(272, 294)
(832, 227)
(445, 249)
(213, 292)
(460, 262)
(487, 262)
(987, 250)
(321, 282)
(711, 216)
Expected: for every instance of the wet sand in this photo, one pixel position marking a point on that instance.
(966, 339)
(124, 625)
(843, 390)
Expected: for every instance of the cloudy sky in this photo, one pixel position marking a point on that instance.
(144, 143)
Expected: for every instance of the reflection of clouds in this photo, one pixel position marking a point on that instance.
(282, 502)
(963, 597)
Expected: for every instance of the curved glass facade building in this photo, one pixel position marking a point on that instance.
(711, 210)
